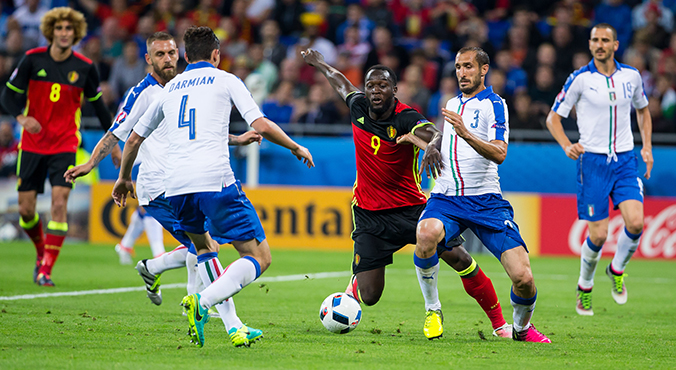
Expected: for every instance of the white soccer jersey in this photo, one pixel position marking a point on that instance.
(195, 107)
(150, 180)
(467, 172)
(603, 106)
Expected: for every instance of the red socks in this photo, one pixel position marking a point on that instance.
(480, 287)
(34, 231)
(53, 245)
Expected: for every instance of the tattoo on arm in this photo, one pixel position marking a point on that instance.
(104, 148)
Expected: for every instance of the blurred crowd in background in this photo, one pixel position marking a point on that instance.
(533, 44)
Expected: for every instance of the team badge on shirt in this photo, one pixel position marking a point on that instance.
(613, 96)
(73, 76)
(391, 132)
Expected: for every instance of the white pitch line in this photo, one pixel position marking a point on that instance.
(319, 275)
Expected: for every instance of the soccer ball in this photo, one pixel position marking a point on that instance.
(340, 313)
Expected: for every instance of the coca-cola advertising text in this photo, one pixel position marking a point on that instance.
(562, 233)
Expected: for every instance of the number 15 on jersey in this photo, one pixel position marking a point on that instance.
(190, 122)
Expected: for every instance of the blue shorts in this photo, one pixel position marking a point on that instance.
(597, 180)
(227, 214)
(161, 210)
(490, 217)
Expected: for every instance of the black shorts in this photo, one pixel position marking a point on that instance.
(32, 170)
(378, 234)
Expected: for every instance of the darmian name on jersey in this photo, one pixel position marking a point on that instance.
(192, 82)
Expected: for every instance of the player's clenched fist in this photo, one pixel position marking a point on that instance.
(573, 151)
(30, 124)
(312, 57)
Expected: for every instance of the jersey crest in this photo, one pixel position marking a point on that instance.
(72, 76)
(391, 132)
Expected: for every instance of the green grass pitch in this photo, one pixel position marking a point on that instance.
(125, 331)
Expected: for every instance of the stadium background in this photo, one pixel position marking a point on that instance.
(533, 46)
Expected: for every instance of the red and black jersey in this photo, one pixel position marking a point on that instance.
(54, 97)
(387, 173)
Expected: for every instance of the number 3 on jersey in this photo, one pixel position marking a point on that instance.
(182, 122)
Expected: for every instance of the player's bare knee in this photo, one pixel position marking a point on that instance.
(370, 296)
(635, 225)
(524, 282)
(428, 236)
(598, 237)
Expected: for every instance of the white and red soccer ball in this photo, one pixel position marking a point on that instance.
(340, 313)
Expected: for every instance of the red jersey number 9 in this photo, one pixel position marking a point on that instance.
(375, 144)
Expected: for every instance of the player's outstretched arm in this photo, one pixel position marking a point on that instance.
(556, 129)
(494, 150)
(270, 131)
(104, 147)
(645, 125)
(124, 185)
(338, 81)
(246, 138)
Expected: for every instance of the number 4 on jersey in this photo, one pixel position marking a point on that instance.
(182, 122)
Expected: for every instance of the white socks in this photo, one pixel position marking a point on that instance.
(134, 230)
(523, 311)
(626, 246)
(238, 275)
(427, 270)
(195, 284)
(154, 233)
(168, 261)
(590, 255)
(210, 270)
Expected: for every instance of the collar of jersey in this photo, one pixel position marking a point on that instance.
(151, 79)
(200, 64)
(480, 96)
(592, 67)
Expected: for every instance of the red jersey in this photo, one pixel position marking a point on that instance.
(54, 93)
(387, 173)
